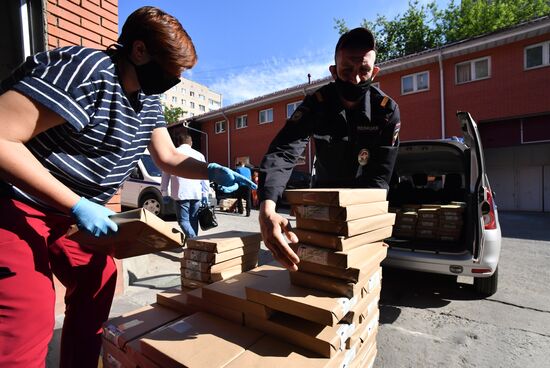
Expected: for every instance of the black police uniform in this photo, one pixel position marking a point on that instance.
(355, 148)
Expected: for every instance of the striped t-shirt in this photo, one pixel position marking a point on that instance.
(103, 137)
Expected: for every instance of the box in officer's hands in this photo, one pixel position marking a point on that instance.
(335, 197)
(139, 232)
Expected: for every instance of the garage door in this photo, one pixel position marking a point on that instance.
(530, 188)
(502, 183)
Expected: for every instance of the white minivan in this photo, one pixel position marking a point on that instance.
(459, 167)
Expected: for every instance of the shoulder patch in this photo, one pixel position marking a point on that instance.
(384, 101)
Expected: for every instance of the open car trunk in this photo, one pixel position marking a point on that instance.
(432, 198)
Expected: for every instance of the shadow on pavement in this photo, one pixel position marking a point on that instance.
(525, 225)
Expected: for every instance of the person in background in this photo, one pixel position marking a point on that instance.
(243, 192)
(254, 192)
(355, 127)
(74, 122)
(189, 194)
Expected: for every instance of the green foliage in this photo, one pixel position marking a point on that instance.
(172, 114)
(424, 27)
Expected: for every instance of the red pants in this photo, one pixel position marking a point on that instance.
(32, 248)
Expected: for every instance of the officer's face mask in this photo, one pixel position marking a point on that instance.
(153, 79)
(352, 92)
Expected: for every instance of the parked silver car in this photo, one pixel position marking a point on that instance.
(457, 172)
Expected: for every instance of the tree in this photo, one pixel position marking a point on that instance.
(172, 114)
(424, 27)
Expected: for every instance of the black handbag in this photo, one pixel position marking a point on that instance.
(207, 218)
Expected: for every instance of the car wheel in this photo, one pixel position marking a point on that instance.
(486, 286)
(151, 203)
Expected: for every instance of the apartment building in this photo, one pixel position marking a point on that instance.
(192, 97)
(501, 78)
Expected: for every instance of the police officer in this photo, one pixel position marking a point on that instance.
(355, 127)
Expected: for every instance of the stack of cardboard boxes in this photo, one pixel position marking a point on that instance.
(262, 317)
(216, 257)
(430, 222)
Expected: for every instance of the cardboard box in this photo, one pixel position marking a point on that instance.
(428, 213)
(219, 275)
(337, 286)
(276, 291)
(231, 294)
(365, 357)
(199, 340)
(326, 341)
(133, 352)
(353, 212)
(192, 284)
(113, 357)
(129, 326)
(408, 217)
(352, 274)
(177, 300)
(224, 241)
(139, 232)
(341, 259)
(349, 228)
(209, 267)
(365, 331)
(364, 308)
(195, 298)
(341, 243)
(427, 224)
(209, 257)
(426, 233)
(334, 197)
(272, 352)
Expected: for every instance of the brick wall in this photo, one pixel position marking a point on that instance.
(91, 23)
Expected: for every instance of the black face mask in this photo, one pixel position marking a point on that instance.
(352, 92)
(153, 79)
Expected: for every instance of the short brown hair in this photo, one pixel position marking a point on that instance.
(163, 36)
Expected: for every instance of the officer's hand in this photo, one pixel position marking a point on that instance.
(204, 201)
(93, 218)
(273, 226)
(226, 177)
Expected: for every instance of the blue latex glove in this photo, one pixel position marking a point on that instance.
(94, 218)
(229, 189)
(226, 177)
(204, 201)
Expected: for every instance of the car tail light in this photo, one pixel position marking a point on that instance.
(489, 218)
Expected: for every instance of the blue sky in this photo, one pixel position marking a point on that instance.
(249, 48)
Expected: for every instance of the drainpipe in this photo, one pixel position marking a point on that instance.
(228, 140)
(441, 95)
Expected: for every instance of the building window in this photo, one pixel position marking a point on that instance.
(192, 93)
(201, 97)
(163, 96)
(192, 104)
(220, 127)
(202, 108)
(291, 107)
(415, 83)
(537, 55)
(241, 122)
(182, 90)
(473, 70)
(266, 116)
(174, 99)
(183, 102)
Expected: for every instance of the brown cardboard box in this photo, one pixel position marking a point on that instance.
(427, 224)
(426, 233)
(352, 274)
(336, 286)
(199, 340)
(209, 267)
(406, 217)
(209, 257)
(428, 213)
(133, 351)
(192, 284)
(349, 228)
(366, 356)
(139, 232)
(334, 197)
(353, 212)
(129, 326)
(176, 299)
(271, 352)
(231, 294)
(218, 275)
(366, 330)
(224, 241)
(364, 308)
(113, 357)
(340, 242)
(276, 291)
(341, 259)
(195, 298)
(323, 340)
